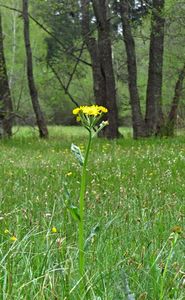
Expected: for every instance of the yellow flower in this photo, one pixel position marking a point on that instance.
(103, 109)
(13, 238)
(92, 110)
(76, 111)
(6, 231)
(54, 230)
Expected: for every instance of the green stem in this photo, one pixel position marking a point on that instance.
(82, 209)
(166, 267)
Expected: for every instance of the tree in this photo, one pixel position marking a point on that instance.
(150, 73)
(154, 115)
(99, 84)
(169, 126)
(101, 57)
(32, 87)
(139, 128)
(6, 107)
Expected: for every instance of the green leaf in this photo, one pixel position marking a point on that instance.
(74, 212)
(77, 153)
(93, 233)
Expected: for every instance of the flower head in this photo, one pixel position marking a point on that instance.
(76, 111)
(13, 238)
(92, 110)
(6, 231)
(53, 230)
(90, 117)
(103, 109)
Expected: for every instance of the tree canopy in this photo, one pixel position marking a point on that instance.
(127, 55)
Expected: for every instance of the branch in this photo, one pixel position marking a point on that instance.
(21, 88)
(62, 84)
(50, 33)
(75, 67)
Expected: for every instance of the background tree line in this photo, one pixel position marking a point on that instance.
(126, 55)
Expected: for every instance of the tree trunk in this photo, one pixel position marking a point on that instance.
(101, 57)
(172, 116)
(31, 83)
(154, 116)
(5, 96)
(100, 8)
(139, 129)
(99, 85)
(13, 50)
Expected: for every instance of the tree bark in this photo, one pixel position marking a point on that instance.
(154, 116)
(139, 129)
(31, 82)
(172, 116)
(101, 57)
(99, 85)
(100, 8)
(6, 108)
(14, 27)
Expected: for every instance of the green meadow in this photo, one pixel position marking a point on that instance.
(134, 223)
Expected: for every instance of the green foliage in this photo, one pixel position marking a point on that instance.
(62, 19)
(74, 212)
(64, 22)
(174, 48)
(77, 153)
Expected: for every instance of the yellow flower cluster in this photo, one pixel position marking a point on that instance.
(92, 110)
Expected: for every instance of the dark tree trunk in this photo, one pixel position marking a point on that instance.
(6, 107)
(31, 83)
(99, 85)
(172, 116)
(100, 8)
(100, 52)
(154, 115)
(138, 123)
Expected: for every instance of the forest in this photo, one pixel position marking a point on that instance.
(92, 168)
(125, 55)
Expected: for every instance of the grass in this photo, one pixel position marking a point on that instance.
(135, 207)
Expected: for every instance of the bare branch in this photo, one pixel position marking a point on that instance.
(49, 33)
(75, 67)
(62, 84)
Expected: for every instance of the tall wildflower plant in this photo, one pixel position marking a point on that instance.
(90, 118)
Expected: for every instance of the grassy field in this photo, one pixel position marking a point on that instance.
(135, 209)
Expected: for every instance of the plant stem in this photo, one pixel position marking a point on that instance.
(166, 267)
(82, 209)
